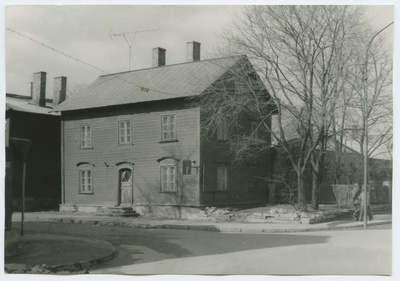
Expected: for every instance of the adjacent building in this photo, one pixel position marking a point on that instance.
(29, 117)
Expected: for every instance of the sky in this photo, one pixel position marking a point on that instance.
(88, 34)
(83, 32)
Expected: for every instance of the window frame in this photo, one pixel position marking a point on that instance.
(225, 177)
(252, 173)
(222, 129)
(85, 142)
(169, 132)
(86, 175)
(253, 129)
(125, 128)
(166, 165)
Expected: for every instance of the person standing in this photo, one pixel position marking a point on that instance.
(361, 199)
(356, 202)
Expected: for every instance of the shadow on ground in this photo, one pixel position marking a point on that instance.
(168, 244)
(53, 252)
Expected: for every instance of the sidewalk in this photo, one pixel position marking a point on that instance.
(145, 223)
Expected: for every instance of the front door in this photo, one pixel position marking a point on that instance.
(125, 186)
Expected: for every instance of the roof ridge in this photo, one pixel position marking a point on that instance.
(164, 66)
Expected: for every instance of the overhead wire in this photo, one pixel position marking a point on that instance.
(141, 87)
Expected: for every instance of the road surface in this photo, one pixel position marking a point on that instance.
(164, 251)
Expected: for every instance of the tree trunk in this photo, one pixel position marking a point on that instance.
(301, 193)
(315, 192)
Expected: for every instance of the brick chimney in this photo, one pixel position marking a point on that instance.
(158, 57)
(39, 89)
(60, 90)
(192, 51)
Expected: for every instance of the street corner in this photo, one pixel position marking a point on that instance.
(58, 254)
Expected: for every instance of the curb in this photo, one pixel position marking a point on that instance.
(264, 230)
(80, 266)
(207, 227)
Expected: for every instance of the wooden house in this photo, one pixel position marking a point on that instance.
(134, 140)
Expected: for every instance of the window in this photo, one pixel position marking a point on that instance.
(253, 76)
(86, 136)
(186, 167)
(85, 181)
(222, 129)
(252, 182)
(222, 177)
(126, 176)
(124, 132)
(168, 128)
(254, 129)
(168, 170)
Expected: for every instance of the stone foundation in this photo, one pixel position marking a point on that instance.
(171, 212)
(161, 212)
(89, 209)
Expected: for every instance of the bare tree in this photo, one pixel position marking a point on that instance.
(349, 116)
(299, 53)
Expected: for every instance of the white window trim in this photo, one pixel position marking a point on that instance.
(166, 128)
(124, 131)
(85, 136)
(84, 187)
(165, 186)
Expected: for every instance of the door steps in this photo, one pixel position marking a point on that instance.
(122, 212)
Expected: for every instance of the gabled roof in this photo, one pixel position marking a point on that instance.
(22, 103)
(152, 84)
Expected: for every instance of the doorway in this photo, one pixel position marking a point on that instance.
(125, 187)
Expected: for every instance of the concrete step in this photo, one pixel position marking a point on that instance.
(122, 212)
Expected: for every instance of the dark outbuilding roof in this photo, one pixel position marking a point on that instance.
(22, 103)
(152, 84)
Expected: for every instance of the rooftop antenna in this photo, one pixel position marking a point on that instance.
(129, 43)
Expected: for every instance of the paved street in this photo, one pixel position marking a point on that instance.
(162, 251)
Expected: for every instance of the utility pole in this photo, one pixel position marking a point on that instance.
(366, 126)
(129, 43)
(21, 148)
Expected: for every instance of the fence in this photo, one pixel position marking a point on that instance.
(344, 194)
(340, 194)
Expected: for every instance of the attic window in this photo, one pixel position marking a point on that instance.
(253, 76)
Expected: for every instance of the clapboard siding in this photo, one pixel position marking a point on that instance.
(144, 151)
(214, 152)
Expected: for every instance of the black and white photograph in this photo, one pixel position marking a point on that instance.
(201, 139)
